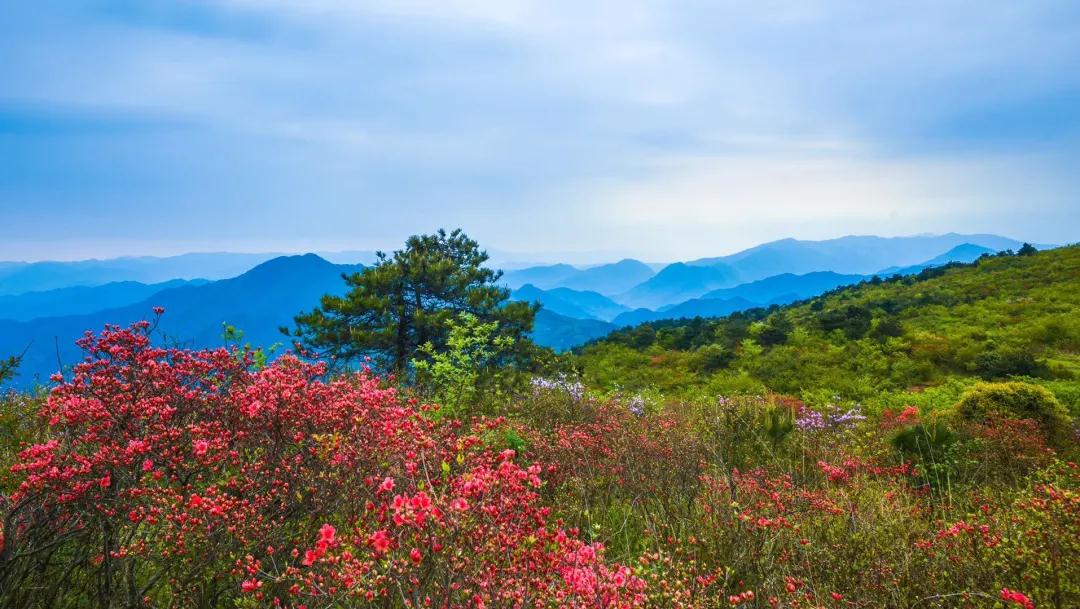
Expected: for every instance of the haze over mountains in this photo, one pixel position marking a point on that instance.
(581, 304)
(257, 302)
(81, 299)
(613, 278)
(45, 306)
(853, 254)
(965, 252)
(20, 277)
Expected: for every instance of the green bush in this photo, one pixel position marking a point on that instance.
(1015, 400)
(853, 320)
(931, 442)
(1002, 363)
(887, 327)
(20, 425)
(711, 358)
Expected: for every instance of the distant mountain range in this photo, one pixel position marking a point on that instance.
(634, 284)
(544, 277)
(785, 288)
(257, 302)
(850, 255)
(561, 332)
(578, 304)
(695, 307)
(965, 252)
(45, 306)
(608, 279)
(678, 282)
(82, 299)
(21, 277)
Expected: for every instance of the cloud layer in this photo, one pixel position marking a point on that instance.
(667, 130)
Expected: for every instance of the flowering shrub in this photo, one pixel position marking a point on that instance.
(613, 468)
(475, 540)
(172, 478)
(186, 478)
(1026, 542)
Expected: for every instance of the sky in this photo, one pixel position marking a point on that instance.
(557, 129)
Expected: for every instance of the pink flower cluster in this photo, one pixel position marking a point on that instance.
(189, 457)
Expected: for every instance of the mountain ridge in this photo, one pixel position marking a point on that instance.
(678, 282)
(852, 254)
(257, 303)
(75, 300)
(578, 304)
(1001, 317)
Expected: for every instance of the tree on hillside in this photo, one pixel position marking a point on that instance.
(404, 306)
(8, 368)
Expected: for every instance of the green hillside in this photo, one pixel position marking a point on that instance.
(922, 337)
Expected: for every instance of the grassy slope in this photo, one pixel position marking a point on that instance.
(949, 323)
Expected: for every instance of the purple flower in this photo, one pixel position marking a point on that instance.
(810, 420)
(832, 418)
(574, 389)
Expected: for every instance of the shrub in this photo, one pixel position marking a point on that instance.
(176, 478)
(1003, 363)
(930, 444)
(710, 358)
(986, 401)
(887, 327)
(775, 331)
(853, 320)
(19, 425)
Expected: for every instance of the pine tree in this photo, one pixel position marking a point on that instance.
(411, 298)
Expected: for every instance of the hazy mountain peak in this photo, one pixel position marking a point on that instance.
(965, 252)
(577, 304)
(851, 254)
(677, 282)
(291, 263)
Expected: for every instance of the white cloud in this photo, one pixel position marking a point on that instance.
(558, 125)
(705, 206)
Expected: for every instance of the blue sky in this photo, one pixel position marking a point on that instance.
(578, 130)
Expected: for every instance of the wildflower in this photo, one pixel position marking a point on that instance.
(1012, 596)
(387, 485)
(326, 533)
(832, 418)
(575, 390)
(380, 541)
